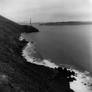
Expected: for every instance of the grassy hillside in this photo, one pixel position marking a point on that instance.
(17, 75)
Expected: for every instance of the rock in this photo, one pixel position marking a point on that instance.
(28, 29)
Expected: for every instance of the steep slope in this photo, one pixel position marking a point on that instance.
(18, 75)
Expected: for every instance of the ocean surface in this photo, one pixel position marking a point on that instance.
(69, 45)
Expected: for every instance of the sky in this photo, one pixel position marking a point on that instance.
(46, 10)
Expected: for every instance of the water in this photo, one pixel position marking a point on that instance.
(66, 45)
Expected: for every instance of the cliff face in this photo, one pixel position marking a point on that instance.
(17, 75)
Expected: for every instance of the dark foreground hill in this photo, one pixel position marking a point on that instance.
(18, 75)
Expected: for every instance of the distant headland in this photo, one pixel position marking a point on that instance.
(68, 23)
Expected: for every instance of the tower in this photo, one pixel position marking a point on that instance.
(30, 21)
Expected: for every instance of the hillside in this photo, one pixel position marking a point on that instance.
(18, 75)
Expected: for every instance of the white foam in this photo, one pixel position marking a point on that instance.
(27, 53)
(21, 37)
(49, 63)
(83, 82)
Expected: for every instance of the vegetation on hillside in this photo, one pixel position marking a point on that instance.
(18, 75)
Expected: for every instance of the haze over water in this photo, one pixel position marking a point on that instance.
(68, 44)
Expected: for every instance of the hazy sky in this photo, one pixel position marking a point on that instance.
(46, 10)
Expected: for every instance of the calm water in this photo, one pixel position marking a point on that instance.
(65, 44)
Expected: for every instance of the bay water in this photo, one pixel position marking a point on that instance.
(65, 44)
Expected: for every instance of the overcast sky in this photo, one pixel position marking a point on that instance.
(46, 10)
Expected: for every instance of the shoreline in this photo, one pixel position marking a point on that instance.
(19, 72)
(85, 82)
(16, 71)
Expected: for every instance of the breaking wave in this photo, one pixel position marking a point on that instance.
(83, 82)
(29, 54)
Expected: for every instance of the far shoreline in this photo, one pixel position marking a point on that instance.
(66, 23)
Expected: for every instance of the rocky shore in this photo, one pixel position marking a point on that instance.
(18, 75)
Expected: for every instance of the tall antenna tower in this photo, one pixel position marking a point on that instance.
(30, 21)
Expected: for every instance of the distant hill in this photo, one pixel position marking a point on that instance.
(18, 75)
(67, 23)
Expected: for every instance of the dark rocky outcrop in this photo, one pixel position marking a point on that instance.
(27, 29)
(17, 75)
